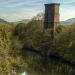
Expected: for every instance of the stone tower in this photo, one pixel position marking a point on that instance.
(51, 19)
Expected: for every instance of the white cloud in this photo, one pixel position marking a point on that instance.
(13, 10)
(19, 16)
(66, 15)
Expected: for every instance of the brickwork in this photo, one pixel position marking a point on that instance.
(52, 15)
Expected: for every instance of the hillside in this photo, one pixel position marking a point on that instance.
(68, 22)
(2, 21)
(40, 16)
(22, 21)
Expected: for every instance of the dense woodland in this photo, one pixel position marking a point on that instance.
(31, 48)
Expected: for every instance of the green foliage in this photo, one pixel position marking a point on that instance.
(65, 43)
(5, 43)
(39, 44)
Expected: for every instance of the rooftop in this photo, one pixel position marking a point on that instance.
(53, 4)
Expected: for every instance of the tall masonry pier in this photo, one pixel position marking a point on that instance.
(52, 15)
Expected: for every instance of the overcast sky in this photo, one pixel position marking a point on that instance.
(15, 10)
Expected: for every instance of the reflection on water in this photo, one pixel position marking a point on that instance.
(24, 73)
